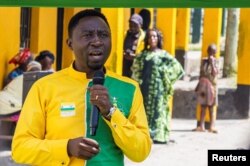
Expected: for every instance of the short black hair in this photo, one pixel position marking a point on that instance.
(44, 54)
(84, 13)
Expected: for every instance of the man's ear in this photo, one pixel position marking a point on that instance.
(69, 43)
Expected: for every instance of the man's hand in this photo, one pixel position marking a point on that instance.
(99, 96)
(129, 55)
(83, 148)
(211, 59)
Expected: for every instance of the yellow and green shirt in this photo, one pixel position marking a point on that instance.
(57, 109)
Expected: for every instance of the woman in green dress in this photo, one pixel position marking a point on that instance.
(156, 71)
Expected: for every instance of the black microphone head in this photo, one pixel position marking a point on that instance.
(98, 78)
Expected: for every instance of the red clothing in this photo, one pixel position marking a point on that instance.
(206, 88)
(205, 92)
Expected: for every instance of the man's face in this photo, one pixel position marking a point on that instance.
(212, 50)
(46, 63)
(91, 43)
(133, 27)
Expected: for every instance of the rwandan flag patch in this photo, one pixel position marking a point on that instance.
(67, 109)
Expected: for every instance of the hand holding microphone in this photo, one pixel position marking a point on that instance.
(99, 98)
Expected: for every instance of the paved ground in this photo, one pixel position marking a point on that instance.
(190, 148)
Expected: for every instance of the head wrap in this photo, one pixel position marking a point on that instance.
(136, 18)
(34, 65)
(21, 57)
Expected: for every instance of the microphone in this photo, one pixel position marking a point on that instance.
(98, 79)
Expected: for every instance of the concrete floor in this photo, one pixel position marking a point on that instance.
(191, 148)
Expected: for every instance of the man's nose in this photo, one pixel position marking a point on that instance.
(96, 40)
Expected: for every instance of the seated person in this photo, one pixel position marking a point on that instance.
(11, 95)
(46, 58)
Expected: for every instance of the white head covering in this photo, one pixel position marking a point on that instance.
(34, 66)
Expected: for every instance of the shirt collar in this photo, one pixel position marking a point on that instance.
(81, 75)
(76, 74)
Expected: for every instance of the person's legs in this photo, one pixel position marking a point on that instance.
(162, 127)
(202, 117)
(201, 126)
(212, 120)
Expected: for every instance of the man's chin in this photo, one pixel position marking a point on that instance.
(95, 67)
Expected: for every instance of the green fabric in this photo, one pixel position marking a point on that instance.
(128, 3)
(121, 94)
(156, 73)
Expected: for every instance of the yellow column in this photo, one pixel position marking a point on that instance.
(9, 38)
(243, 82)
(182, 34)
(43, 30)
(182, 28)
(243, 48)
(67, 54)
(211, 34)
(166, 23)
(115, 18)
(211, 29)
(151, 10)
(127, 15)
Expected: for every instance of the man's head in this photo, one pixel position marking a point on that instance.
(46, 58)
(212, 50)
(89, 39)
(135, 23)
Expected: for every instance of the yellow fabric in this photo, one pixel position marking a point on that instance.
(140, 44)
(42, 132)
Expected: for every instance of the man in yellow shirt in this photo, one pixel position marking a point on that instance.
(53, 128)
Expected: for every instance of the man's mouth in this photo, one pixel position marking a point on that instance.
(96, 56)
(95, 53)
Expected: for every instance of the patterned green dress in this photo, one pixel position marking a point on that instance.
(156, 73)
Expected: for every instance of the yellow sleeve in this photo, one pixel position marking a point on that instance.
(29, 144)
(140, 45)
(132, 134)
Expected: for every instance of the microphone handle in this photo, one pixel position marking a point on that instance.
(94, 116)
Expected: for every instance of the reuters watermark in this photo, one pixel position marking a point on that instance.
(229, 157)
